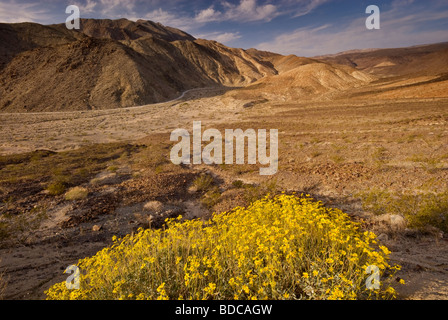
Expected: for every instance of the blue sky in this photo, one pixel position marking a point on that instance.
(301, 27)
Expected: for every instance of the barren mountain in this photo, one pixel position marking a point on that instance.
(414, 72)
(19, 37)
(302, 78)
(121, 63)
(418, 60)
(123, 29)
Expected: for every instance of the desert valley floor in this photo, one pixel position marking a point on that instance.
(335, 150)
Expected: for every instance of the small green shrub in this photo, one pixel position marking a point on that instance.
(420, 210)
(56, 188)
(211, 197)
(238, 184)
(203, 183)
(256, 192)
(76, 193)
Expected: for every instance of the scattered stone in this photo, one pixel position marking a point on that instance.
(96, 228)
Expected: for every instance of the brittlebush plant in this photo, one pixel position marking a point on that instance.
(286, 247)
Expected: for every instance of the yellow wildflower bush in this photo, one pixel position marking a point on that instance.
(286, 247)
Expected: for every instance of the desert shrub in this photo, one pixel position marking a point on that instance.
(420, 210)
(255, 192)
(286, 247)
(211, 194)
(57, 187)
(431, 209)
(211, 197)
(76, 193)
(203, 183)
(238, 184)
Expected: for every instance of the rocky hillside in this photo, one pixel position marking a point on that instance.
(411, 61)
(121, 63)
(301, 78)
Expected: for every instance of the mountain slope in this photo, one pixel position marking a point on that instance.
(123, 29)
(417, 61)
(404, 73)
(19, 37)
(302, 78)
(121, 63)
(112, 64)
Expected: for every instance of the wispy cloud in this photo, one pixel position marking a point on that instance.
(14, 11)
(183, 22)
(246, 10)
(398, 28)
(307, 6)
(86, 7)
(223, 37)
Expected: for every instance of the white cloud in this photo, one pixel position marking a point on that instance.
(249, 10)
(245, 11)
(223, 37)
(208, 15)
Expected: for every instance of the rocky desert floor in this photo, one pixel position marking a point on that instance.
(348, 153)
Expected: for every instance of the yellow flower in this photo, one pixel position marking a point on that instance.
(247, 251)
(245, 289)
(210, 288)
(161, 287)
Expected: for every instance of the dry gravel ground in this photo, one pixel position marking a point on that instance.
(23, 132)
(333, 150)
